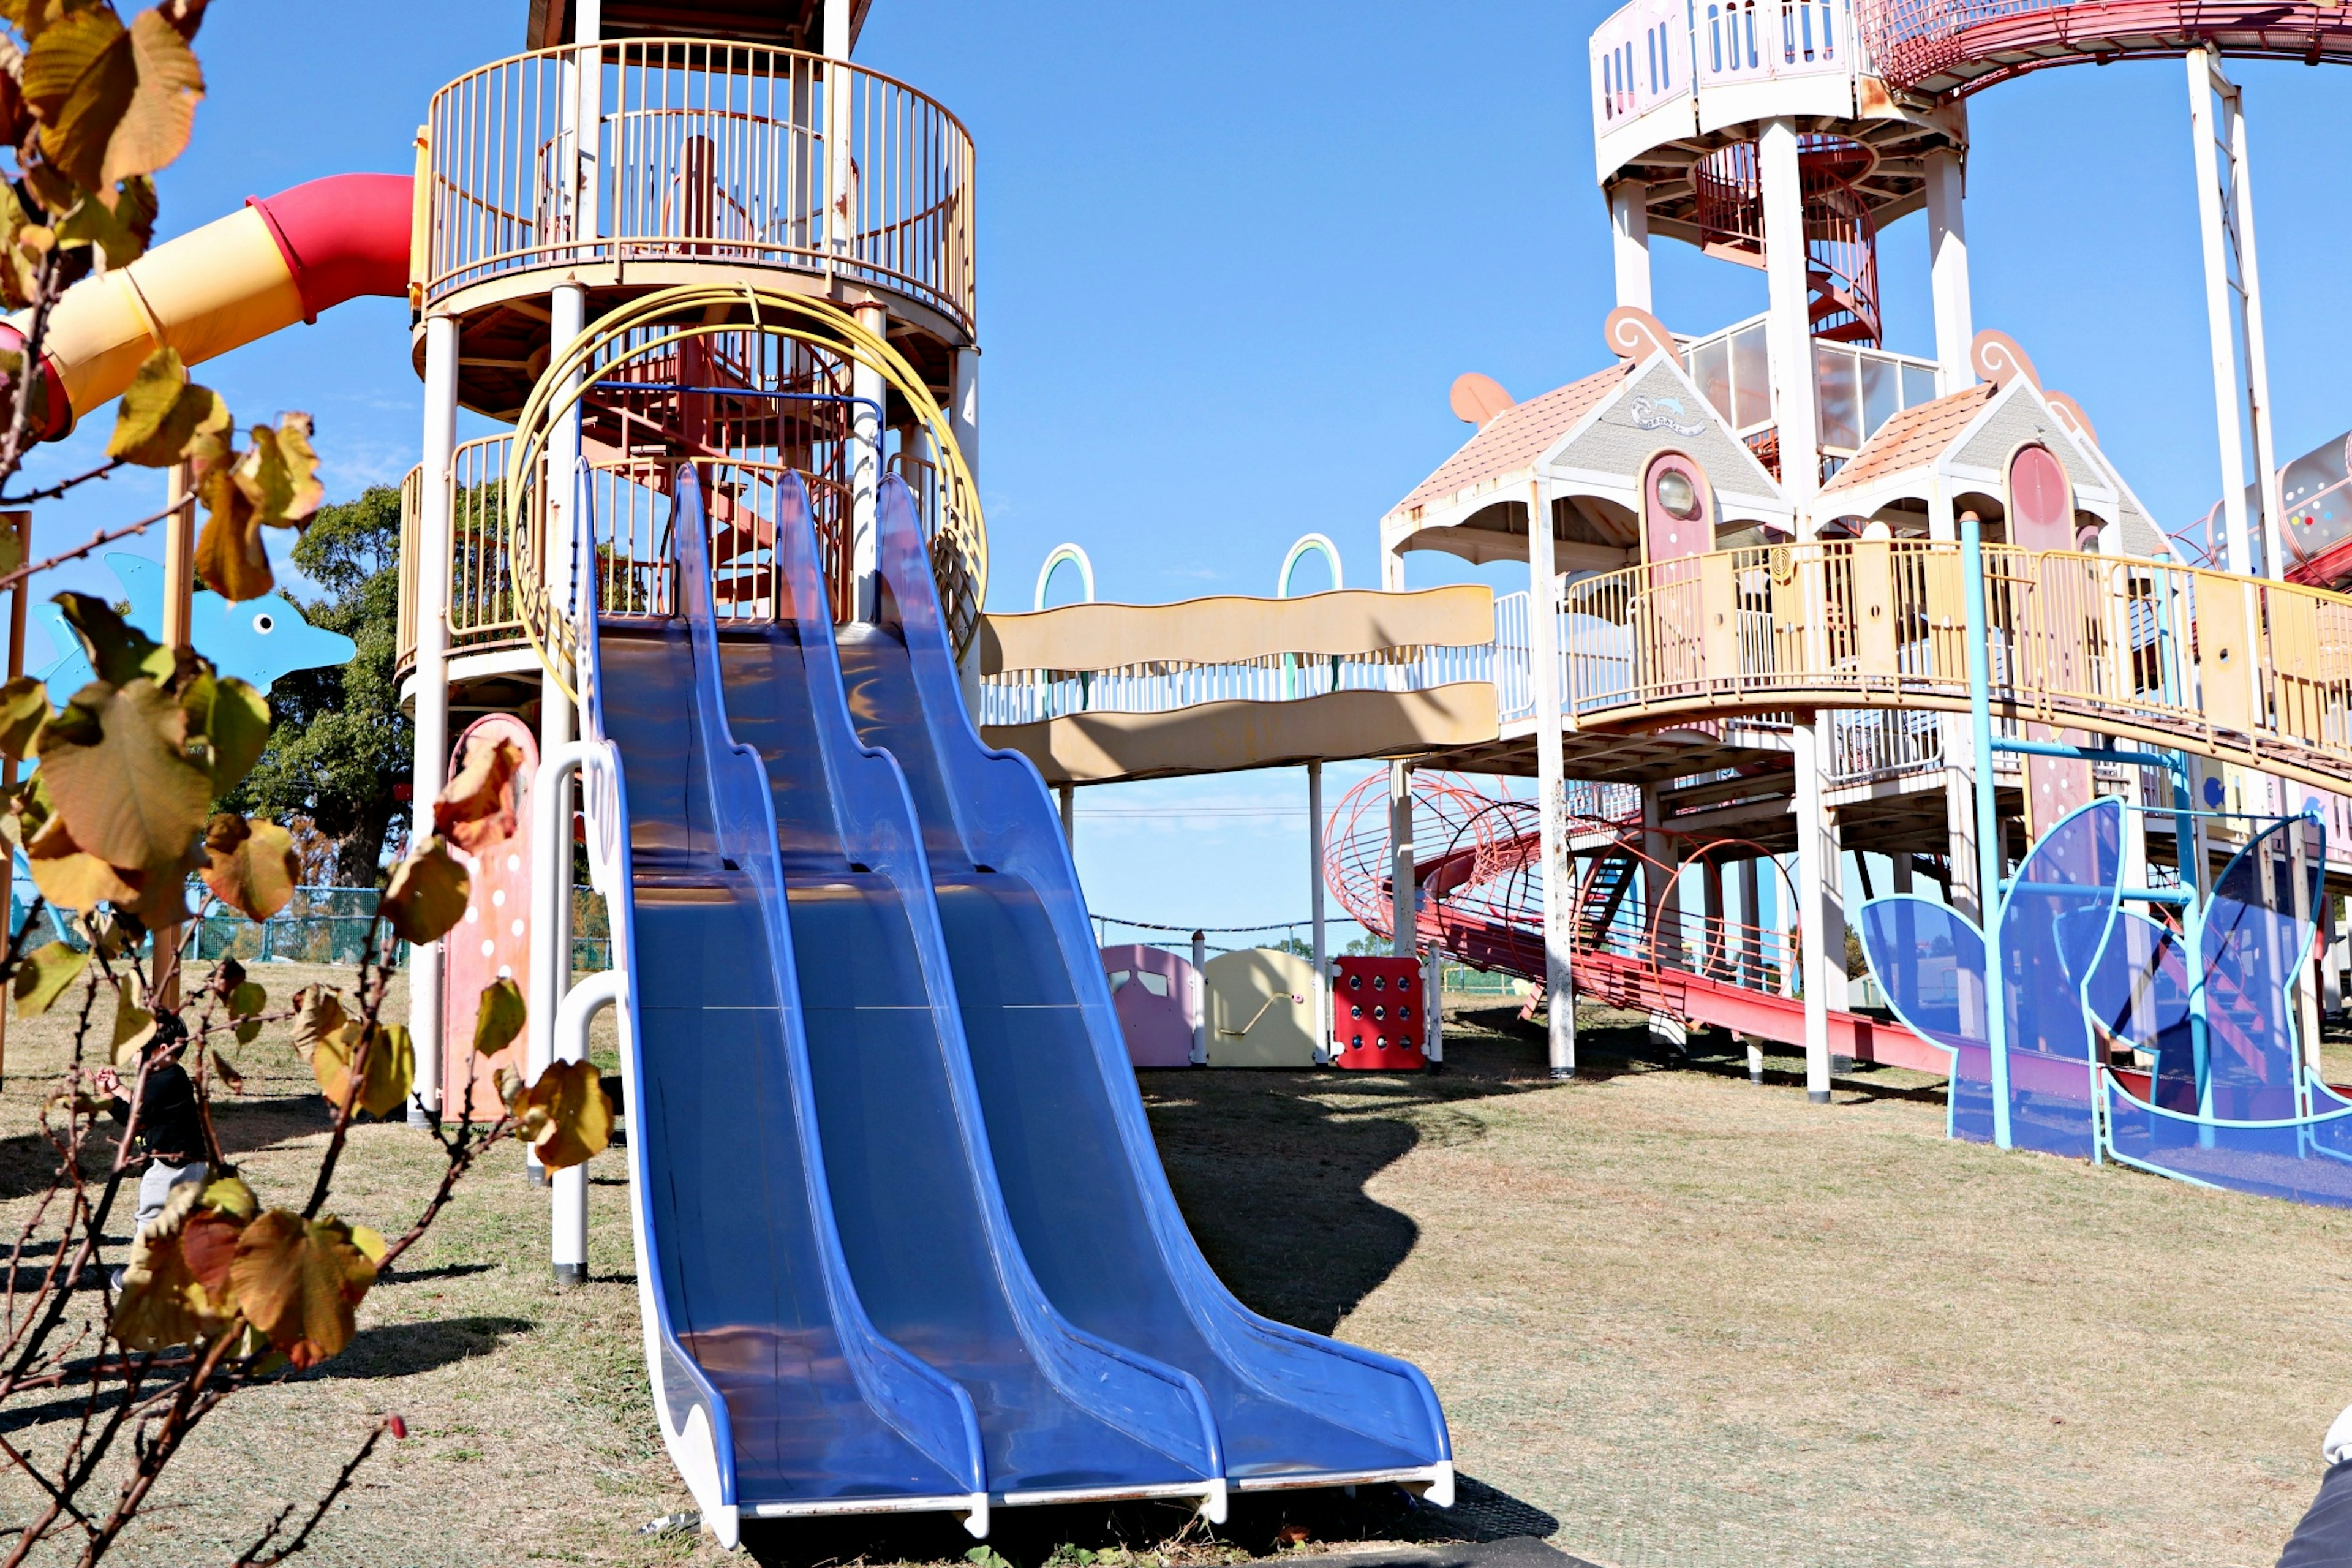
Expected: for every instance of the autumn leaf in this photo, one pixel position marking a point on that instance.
(428, 893)
(24, 708)
(245, 999)
(43, 974)
(113, 101)
(566, 1116)
(133, 1025)
(234, 718)
(161, 413)
(478, 808)
(69, 879)
(230, 1196)
(297, 1281)
(250, 865)
(120, 653)
(230, 557)
(119, 223)
(120, 776)
(391, 1066)
(500, 1019)
(318, 1014)
(20, 250)
(166, 1299)
(279, 473)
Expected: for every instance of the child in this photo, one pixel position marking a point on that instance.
(171, 1128)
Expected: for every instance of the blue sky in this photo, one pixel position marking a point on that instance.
(1234, 255)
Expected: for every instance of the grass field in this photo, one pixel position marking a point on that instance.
(1675, 1319)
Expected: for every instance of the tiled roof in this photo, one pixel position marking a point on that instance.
(1512, 440)
(1916, 435)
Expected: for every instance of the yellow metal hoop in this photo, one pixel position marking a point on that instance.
(958, 552)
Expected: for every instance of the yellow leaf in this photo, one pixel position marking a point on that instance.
(246, 998)
(371, 1242)
(162, 110)
(390, 1069)
(119, 652)
(73, 880)
(161, 413)
(236, 720)
(79, 77)
(300, 461)
(229, 1195)
(119, 223)
(164, 1301)
(133, 1025)
(24, 707)
(566, 1116)
(428, 893)
(121, 779)
(511, 1086)
(297, 1281)
(20, 256)
(477, 809)
(318, 1014)
(500, 1018)
(43, 974)
(250, 865)
(230, 557)
(280, 472)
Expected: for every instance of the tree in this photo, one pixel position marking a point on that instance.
(340, 748)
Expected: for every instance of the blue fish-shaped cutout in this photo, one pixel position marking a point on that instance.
(257, 640)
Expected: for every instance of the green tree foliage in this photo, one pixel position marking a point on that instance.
(341, 745)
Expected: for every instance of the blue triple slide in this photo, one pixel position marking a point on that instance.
(903, 1240)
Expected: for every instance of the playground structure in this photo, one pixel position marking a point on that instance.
(901, 1239)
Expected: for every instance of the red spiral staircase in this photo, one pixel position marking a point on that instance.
(1840, 236)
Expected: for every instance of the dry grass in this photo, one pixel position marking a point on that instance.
(1675, 1318)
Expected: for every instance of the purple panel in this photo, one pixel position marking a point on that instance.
(2138, 995)
(2052, 925)
(1156, 1021)
(2309, 1161)
(1929, 962)
(2257, 929)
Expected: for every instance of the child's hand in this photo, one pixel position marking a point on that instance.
(107, 1080)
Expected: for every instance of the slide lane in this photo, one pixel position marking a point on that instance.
(1073, 1154)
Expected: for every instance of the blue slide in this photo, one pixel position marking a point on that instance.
(903, 1240)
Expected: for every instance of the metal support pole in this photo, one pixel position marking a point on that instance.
(1947, 263)
(551, 867)
(1404, 914)
(1319, 941)
(865, 463)
(2213, 233)
(18, 526)
(1790, 332)
(1988, 853)
(1662, 912)
(1070, 799)
(1817, 866)
(569, 1242)
(1551, 767)
(1433, 1008)
(1629, 227)
(429, 769)
(1200, 1000)
(179, 608)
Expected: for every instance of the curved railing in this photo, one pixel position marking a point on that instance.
(699, 151)
(2239, 668)
(1957, 47)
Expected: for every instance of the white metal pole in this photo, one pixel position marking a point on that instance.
(963, 408)
(429, 768)
(1817, 866)
(2214, 238)
(1751, 945)
(1432, 1007)
(1947, 262)
(1551, 768)
(1199, 999)
(1629, 227)
(1404, 916)
(865, 463)
(1069, 794)
(1789, 332)
(569, 1242)
(1315, 908)
(2258, 372)
(1661, 912)
(1957, 743)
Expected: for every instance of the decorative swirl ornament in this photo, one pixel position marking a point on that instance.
(1996, 357)
(1632, 333)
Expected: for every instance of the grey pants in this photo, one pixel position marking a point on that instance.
(155, 1186)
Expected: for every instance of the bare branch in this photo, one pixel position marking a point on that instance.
(252, 1557)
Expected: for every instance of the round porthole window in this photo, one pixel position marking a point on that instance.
(1677, 495)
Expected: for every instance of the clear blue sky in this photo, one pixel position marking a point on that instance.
(1233, 254)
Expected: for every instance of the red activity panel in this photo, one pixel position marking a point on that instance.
(1376, 1014)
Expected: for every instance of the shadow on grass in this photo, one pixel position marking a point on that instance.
(403, 1349)
(1255, 1526)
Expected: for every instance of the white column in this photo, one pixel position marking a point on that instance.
(1629, 227)
(1957, 743)
(1200, 1000)
(1661, 912)
(1432, 1007)
(865, 463)
(963, 408)
(569, 1211)
(1069, 797)
(1318, 940)
(1821, 942)
(1551, 769)
(1751, 944)
(1403, 914)
(1899, 869)
(2258, 370)
(1948, 266)
(429, 769)
(1789, 332)
(2222, 333)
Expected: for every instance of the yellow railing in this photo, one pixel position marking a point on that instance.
(701, 151)
(2236, 668)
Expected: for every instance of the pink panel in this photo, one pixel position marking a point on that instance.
(2040, 502)
(1664, 536)
(492, 940)
(1158, 1024)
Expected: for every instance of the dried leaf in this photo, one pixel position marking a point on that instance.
(119, 775)
(428, 893)
(500, 1019)
(121, 222)
(391, 1066)
(20, 251)
(230, 557)
(161, 413)
(511, 1086)
(234, 718)
(43, 975)
(230, 1196)
(113, 101)
(250, 865)
(246, 998)
(164, 1301)
(120, 653)
(318, 1014)
(478, 808)
(133, 1025)
(24, 708)
(297, 1281)
(566, 1116)
(72, 881)
(280, 472)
